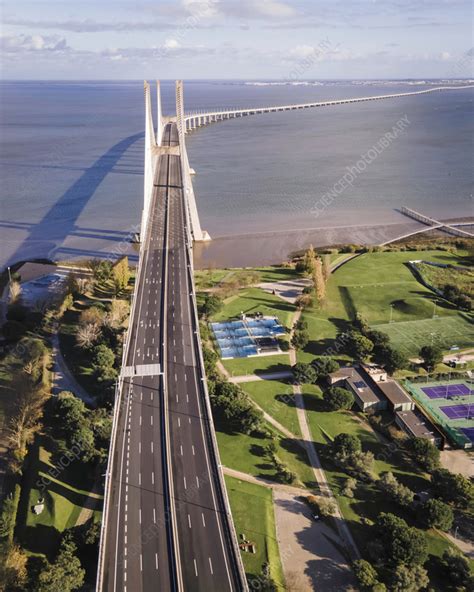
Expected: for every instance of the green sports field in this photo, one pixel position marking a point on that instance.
(382, 288)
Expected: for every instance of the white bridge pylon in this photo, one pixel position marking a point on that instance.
(154, 147)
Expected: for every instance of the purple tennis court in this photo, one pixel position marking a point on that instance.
(469, 432)
(458, 411)
(446, 391)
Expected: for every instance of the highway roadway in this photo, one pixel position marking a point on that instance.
(166, 526)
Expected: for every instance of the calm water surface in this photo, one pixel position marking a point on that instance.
(71, 161)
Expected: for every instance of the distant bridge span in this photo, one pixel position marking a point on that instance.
(195, 119)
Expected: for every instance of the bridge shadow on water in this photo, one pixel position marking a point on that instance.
(60, 221)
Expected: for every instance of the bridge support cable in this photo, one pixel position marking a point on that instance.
(149, 169)
(197, 233)
(159, 115)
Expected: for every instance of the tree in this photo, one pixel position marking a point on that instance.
(87, 335)
(358, 345)
(398, 542)
(307, 264)
(390, 358)
(65, 574)
(300, 339)
(431, 355)
(346, 444)
(365, 573)
(119, 310)
(326, 267)
(13, 568)
(337, 398)
(397, 491)
(424, 452)
(92, 316)
(456, 568)
(324, 366)
(378, 338)
(211, 305)
(437, 514)
(121, 274)
(14, 292)
(349, 485)
(452, 488)
(103, 360)
(409, 578)
(304, 373)
(319, 282)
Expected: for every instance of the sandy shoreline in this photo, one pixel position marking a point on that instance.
(274, 247)
(269, 248)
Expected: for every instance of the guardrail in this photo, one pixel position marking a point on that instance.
(210, 429)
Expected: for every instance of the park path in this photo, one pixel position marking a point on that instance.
(344, 532)
(284, 374)
(264, 482)
(63, 380)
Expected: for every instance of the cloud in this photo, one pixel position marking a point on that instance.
(89, 25)
(12, 44)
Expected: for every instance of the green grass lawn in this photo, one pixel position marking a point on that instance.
(247, 454)
(276, 398)
(209, 278)
(368, 501)
(379, 285)
(64, 494)
(252, 511)
(252, 300)
(256, 364)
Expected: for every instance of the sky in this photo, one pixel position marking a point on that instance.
(236, 39)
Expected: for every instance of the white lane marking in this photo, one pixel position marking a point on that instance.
(179, 422)
(153, 477)
(139, 447)
(187, 398)
(181, 448)
(184, 482)
(210, 565)
(140, 420)
(139, 478)
(156, 561)
(203, 521)
(189, 520)
(195, 568)
(141, 562)
(140, 515)
(177, 398)
(151, 419)
(192, 446)
(197, 481)
(152, 447)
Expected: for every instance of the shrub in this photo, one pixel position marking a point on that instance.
(338, 398)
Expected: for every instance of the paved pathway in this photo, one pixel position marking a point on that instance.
(263, 376)
(265, 482)
(318, 471)
(63, 380)
(276, 423)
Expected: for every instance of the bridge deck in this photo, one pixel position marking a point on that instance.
(163, 464)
